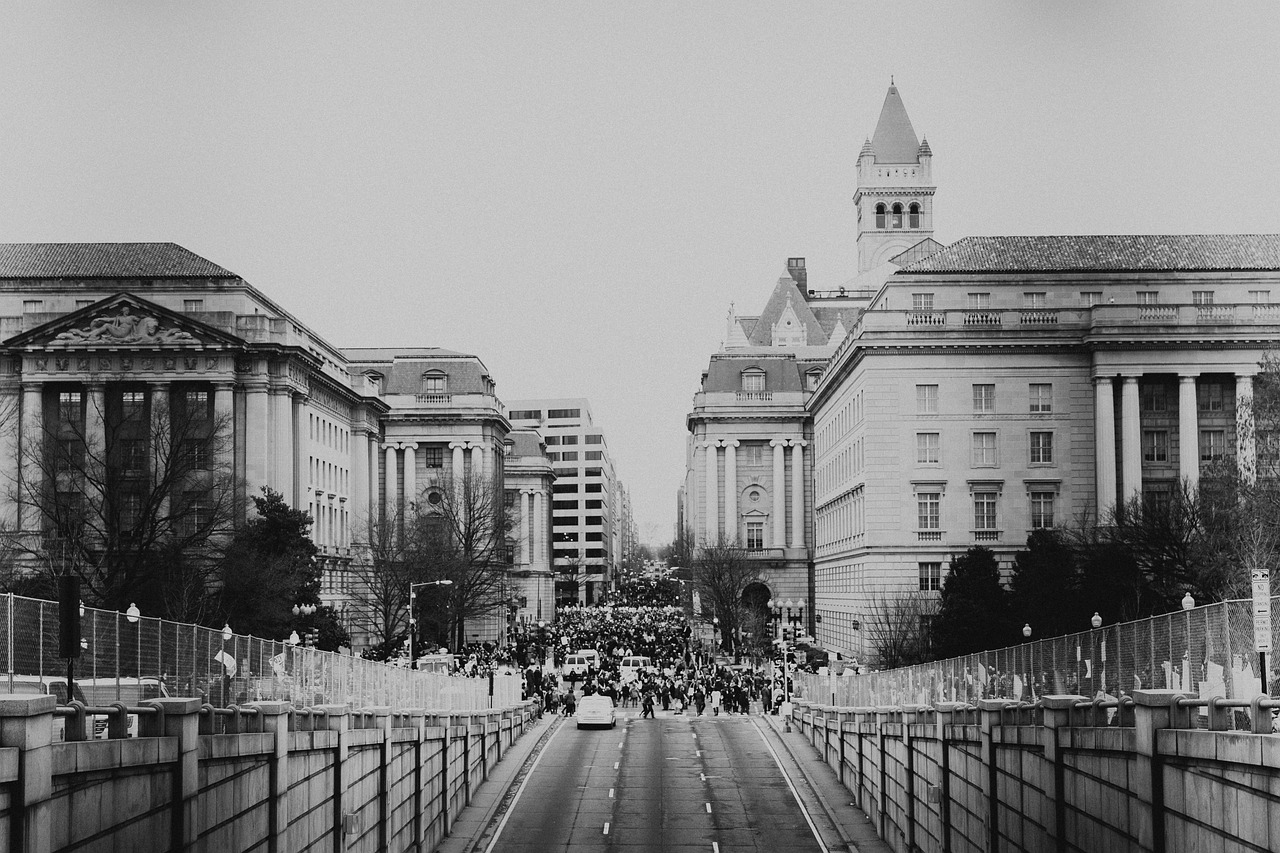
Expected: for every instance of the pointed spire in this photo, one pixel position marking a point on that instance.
(895, 139)
(867, 149)
(925, 150)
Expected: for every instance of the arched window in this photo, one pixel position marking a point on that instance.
(913, 216)
(880, 223)
(897, 215)
(434, 382)
(753, 380)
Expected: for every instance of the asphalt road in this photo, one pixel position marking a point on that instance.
(670, 784)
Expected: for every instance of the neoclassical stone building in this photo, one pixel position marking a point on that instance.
(98, 341)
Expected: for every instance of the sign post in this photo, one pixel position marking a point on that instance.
(1262, 622)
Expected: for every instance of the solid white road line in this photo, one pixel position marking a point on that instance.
(715, 847)
(778, 761)
(497, 833)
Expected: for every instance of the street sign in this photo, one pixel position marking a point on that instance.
(1261, 610)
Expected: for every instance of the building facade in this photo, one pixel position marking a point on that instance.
(117, 356)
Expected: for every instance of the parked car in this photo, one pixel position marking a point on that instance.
(596, 710)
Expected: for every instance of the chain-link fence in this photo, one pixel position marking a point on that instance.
(128, 660)
(1206, 651)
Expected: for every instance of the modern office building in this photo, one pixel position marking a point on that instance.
(586, 509)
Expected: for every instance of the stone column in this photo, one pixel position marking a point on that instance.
(797, 493)
(479, 464)
(459, 466)
(390, 485)
(161, 441)
(361, 505)
(524, 551)
(298, 459)
(712, 488)
(371, 470)
(1188, 431)
(282, 441)
(779, 493)
(539, 527)
(410, 474)
(731, 532)
(10, 458)
(31, 448)
(1131, 439)
(256, 472)
(1246, 429)
(1104, 430)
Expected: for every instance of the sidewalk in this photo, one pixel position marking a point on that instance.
(856, 832)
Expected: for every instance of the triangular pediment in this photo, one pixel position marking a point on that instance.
(124, 321)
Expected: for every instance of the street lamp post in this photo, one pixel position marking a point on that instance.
(133, 614)
(413, 616)
(1031, 655)
(1096, 622)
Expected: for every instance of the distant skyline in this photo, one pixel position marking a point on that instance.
(575, 192)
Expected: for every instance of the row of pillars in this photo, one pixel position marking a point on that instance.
(712, 489)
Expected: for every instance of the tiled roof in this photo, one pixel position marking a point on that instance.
(1107, 252)
(104, 260)
(895, 139)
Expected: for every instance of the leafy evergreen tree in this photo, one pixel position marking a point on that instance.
(973, 614)
(1045, 592)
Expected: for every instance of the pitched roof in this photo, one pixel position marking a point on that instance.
(895, 139)
(104, 260)
(1106, 252)
(784, 293)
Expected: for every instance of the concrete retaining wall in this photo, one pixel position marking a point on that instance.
(322, 780)
(1053, 777)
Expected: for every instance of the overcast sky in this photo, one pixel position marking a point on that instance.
(575, 192)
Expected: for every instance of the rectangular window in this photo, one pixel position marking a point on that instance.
(927, 444)
(564, 504)
(199, 515)
(1035, 300)
(1041, 448)
(569, 439)
(1202, 297)
(922, 302)
(32, 306)
(525, 415)
(1153, 397)
(594, 520)
(433, 384)
(1042, 508)
(1148, 297)
(1213, 444)
(593, 536)
(434, 456)
(930, 577)
(70, 407)
(753, 382)
(593, 455)
(69, 456)
(594, 439)
(197, 404)
(928, 510)
(1211, 397)
(984, 449)
(593, 472)
(755, 535)
(569, 456)
(979, 301)
(1155, 445)
(1260, 297)
(1157, 497)
(564, 413)
(984, 398)
(984, 510)
(83, 303)
(133, 456)
(130, 511)
(192, 305)
(927, 399)
(552, 440)
(509, 498)
(1041, 397)
(593, 487)
(1091, 298)
(564, 488)
(593, 504)
(133, 405)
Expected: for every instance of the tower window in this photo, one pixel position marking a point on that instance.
(913, 215)
(897, 215)
(880, 216)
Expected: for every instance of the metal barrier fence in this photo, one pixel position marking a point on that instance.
(1205, 651)
(127, 660)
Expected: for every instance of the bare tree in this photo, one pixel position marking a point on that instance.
(721, 574)
(898, 628)
(138, 505)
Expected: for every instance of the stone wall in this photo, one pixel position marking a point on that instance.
(264, 778)
(1063, 775)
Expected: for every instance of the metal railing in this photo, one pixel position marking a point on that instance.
(124, 660)
(1204, 652)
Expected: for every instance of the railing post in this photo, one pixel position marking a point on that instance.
(26, 722)
(990, 710)
(382, 722)
(1153, 710)
(418, 721)
(273, 718)
(944, 713)
(180, 718)
(1057, 716)
(334, 718)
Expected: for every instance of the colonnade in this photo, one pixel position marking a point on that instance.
(403, 494)
(1130, 434)
(792, 536)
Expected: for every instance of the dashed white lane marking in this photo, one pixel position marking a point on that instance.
(611, 793)
(708, 808)
(715, 847)
(606, 827)
(619, 744)
(698, 752)
(702, 777)
(615, 765)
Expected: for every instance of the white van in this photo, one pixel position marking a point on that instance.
(633, 665)
(580, 661)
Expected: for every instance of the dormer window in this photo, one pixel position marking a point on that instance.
(811, 380)
(753, 380)
(376, 379)
(434, 382)
(880, 216)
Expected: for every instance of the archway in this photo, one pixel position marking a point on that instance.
(757, 634)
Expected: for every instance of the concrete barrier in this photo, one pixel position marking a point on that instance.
(1064, 774)
(275, 779)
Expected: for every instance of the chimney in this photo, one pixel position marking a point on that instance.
(795, 267)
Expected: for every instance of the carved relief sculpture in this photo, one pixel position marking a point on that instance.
(125, 328)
